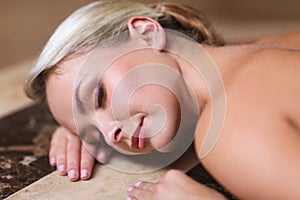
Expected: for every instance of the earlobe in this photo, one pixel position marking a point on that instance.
(148, 30)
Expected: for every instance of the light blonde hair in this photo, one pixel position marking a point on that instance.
(83, 30)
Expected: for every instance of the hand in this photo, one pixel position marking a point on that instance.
(70, 157)
(174, 185)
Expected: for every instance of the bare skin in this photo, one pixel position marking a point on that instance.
(257, 155)
(260, 142)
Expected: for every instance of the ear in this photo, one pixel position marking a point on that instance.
(148, 30)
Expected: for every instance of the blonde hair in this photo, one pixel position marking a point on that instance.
(83, 30)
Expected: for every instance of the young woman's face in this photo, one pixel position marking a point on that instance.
(139, 136)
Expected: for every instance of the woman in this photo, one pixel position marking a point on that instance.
(260, 137)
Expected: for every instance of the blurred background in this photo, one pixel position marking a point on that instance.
(27, 24)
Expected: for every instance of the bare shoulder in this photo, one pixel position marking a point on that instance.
(288, 40)
(273, 75)
(257, 154)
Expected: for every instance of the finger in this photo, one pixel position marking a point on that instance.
(103, 154)
(57, 152)
(52, 152)
(73, 157)
(86, 165)
(145, 185)
(138, 193)
(130, 198)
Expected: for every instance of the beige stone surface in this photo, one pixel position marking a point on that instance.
(106, 184)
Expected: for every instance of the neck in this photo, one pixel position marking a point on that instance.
(217, 66)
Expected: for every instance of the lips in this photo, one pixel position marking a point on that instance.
(138, 138)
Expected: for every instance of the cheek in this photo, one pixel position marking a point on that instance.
(161, 110)
(147, 97)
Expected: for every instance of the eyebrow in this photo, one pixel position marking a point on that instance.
(79, 103)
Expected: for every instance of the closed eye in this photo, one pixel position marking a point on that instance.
(100, 94)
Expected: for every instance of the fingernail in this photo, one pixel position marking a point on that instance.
(128, 198)
(52, 161)
(137, 184)
(129, 188)
(102, 157)
(61, 169)
(71, 174)
(84, 173)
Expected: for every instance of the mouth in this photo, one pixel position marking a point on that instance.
(138, 138)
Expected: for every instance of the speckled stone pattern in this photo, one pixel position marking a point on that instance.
(24, 145)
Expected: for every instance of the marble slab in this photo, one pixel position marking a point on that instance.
(105, 184)
(109, 184)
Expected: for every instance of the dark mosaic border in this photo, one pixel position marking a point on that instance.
(24, 143)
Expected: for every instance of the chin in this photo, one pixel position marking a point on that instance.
(162, 144)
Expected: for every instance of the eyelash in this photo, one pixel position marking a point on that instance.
(100, 96)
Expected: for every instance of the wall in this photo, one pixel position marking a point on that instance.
(27, 24)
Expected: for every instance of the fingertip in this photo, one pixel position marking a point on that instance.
(52, 161)
(62, 170)
(138, 184)
(130, 188)
(72, 175)
(132, 191)
(102, 157)
(85, 174)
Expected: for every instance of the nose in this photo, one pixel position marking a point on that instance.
(115, 136)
